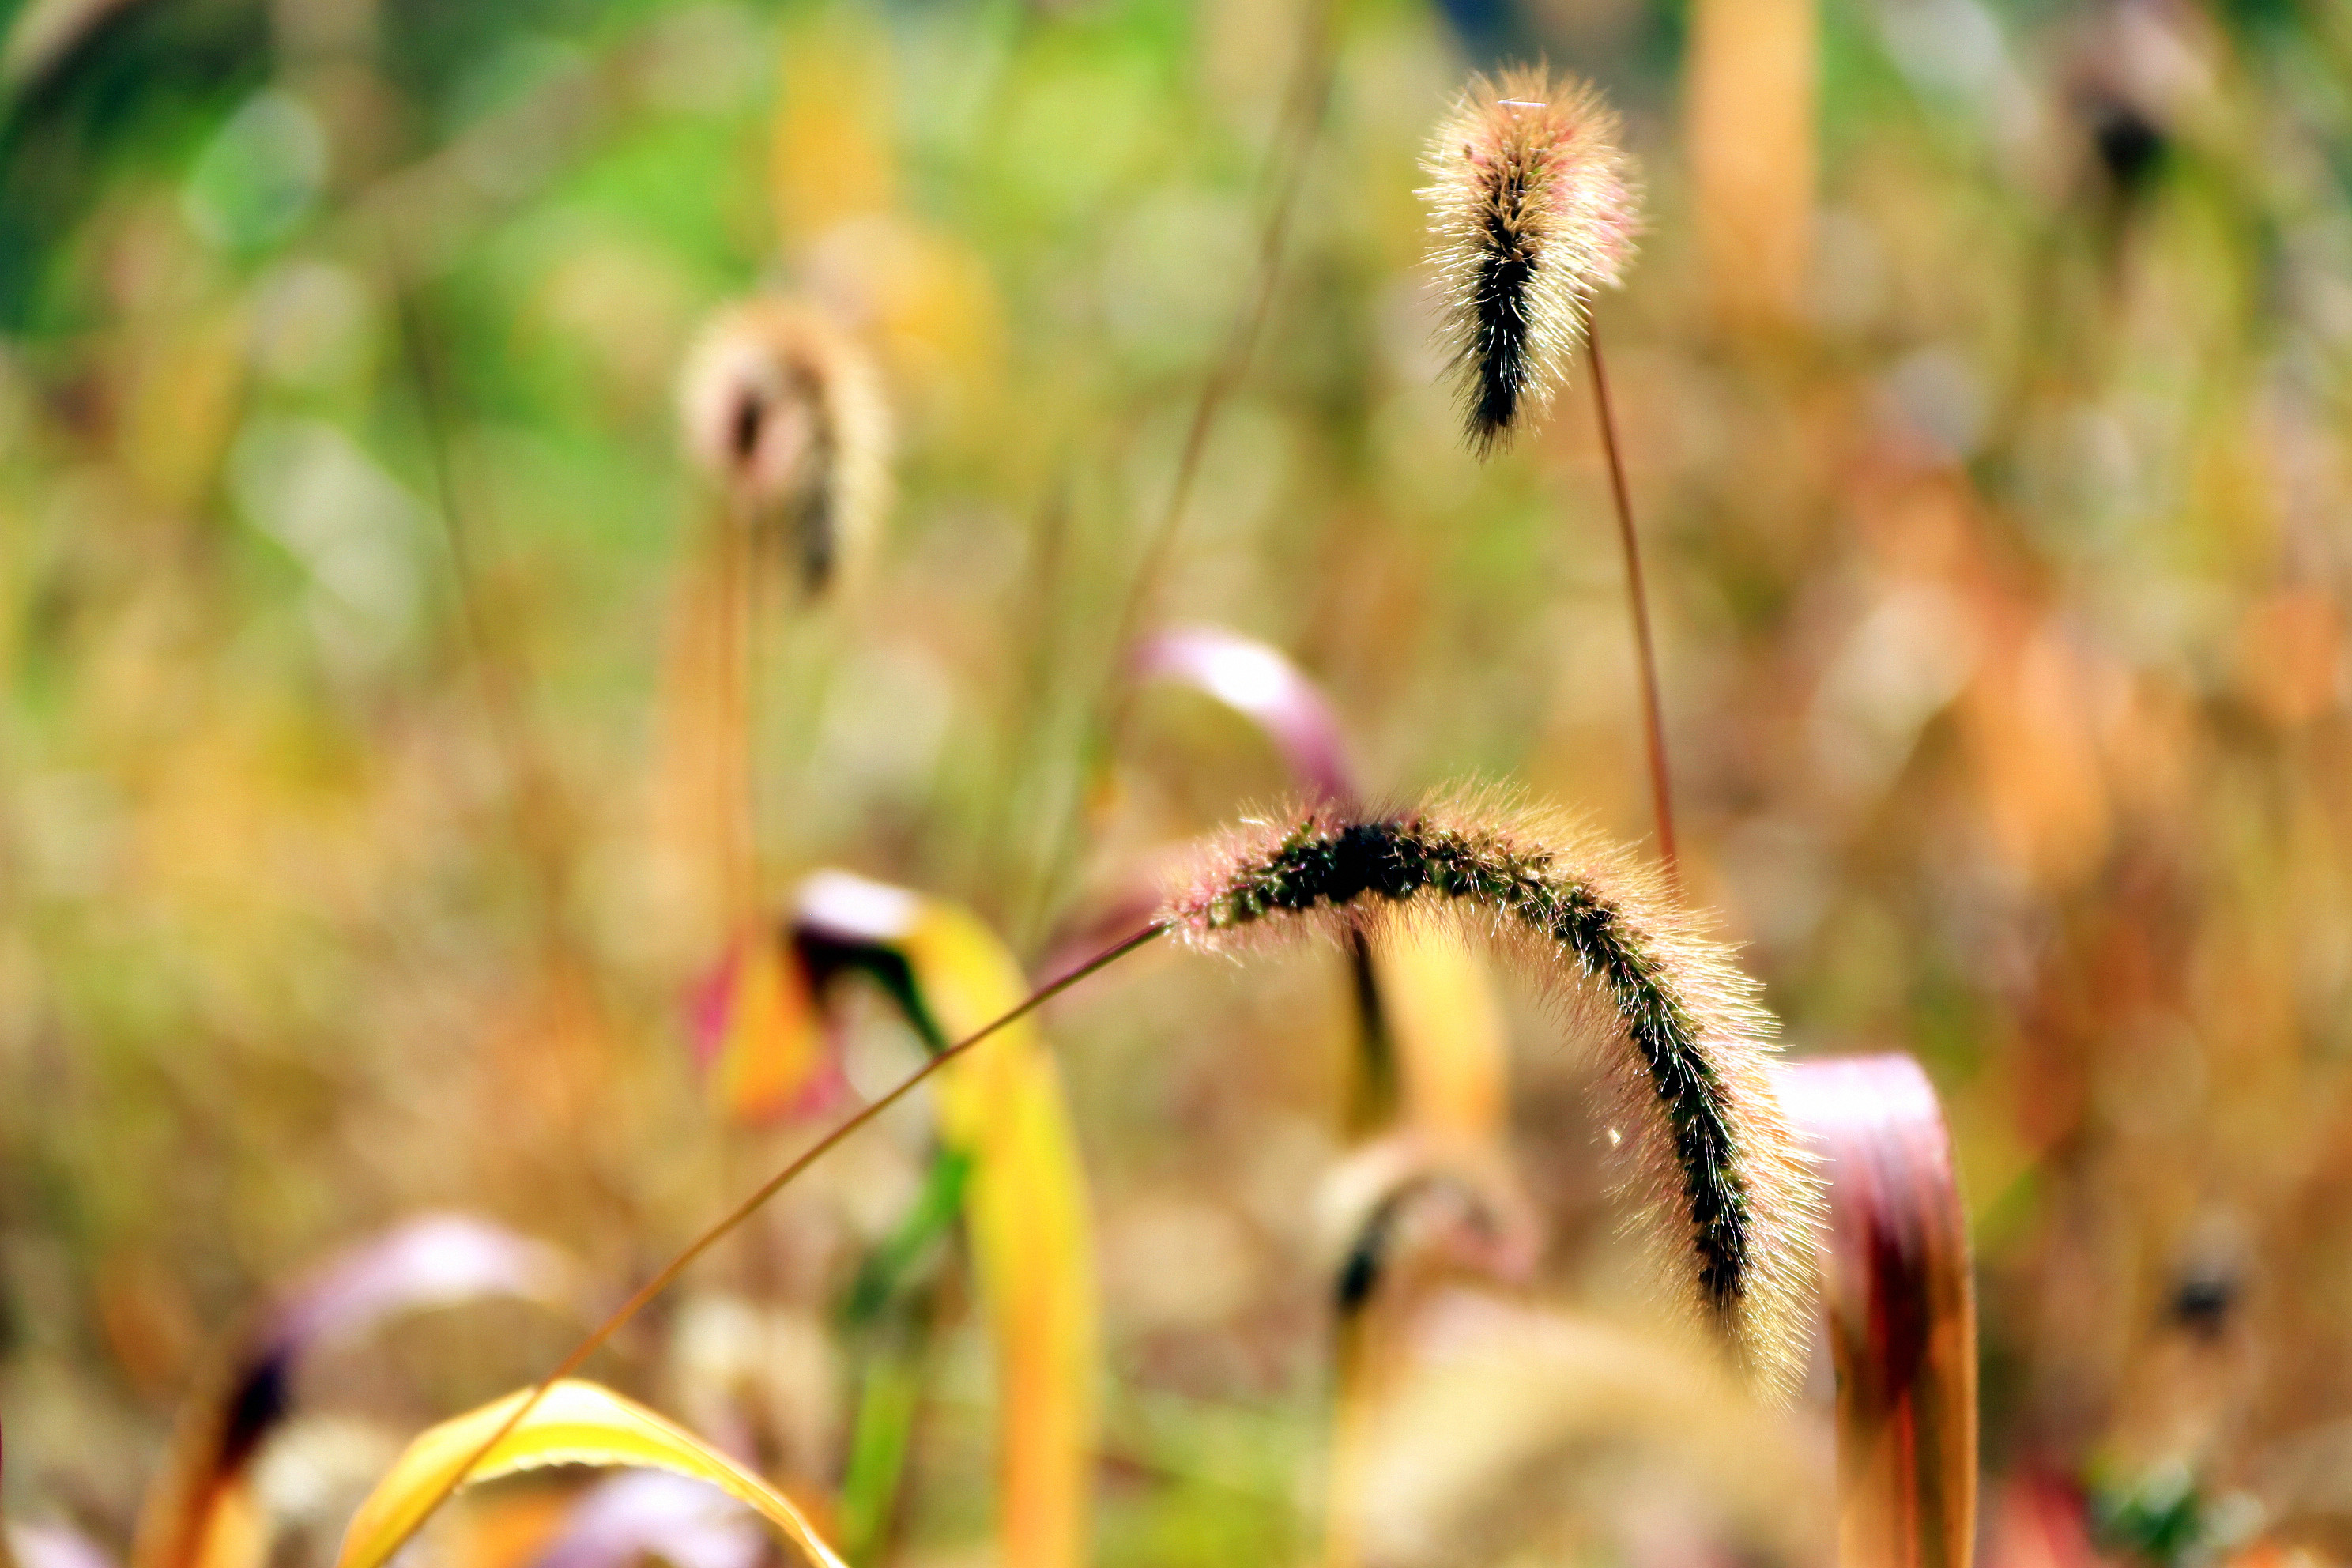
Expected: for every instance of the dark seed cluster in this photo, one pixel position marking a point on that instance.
(1500, 356)
(1337, 865)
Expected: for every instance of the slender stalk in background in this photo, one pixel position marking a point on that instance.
(1303, 104)
(537, 809)
(735, 808)
(669, 1273)
(530, 780)
(1532, 204)
(1751, 91)
(1654, 723)
(784, 413)
(1310, 89)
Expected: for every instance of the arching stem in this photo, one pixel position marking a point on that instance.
(678, 1265)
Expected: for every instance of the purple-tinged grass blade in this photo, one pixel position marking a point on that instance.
(54, 1545)
(1261, 684)
(200, 1511)
(1901, 1311)
(637, 1514)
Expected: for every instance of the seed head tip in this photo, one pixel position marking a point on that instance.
(786, 410)
(1532, 209)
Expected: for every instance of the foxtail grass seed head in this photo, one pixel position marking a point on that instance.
(786, 410)
(1730, 1197)
(1532, 209)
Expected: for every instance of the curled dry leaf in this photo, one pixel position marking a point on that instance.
(53, 1546)
(1429, 1088)
(201, 1510)
(756, 1034)
(1001, 1106)
(576, 1422)
(1433, 1053)
(1262, 684)
(1901, 1311)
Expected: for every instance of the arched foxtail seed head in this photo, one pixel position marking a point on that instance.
(786, 412)
(1731, 1200)
(1532, 209)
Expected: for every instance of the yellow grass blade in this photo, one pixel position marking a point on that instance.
(1446, 1028)
(1901, 1306)
(1031, 1243)
(200, 1511)
(1442, 1027)
(1002, 1106)
(576, 1422)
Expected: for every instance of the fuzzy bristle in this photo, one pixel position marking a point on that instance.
(1708, 1142)
(786, 410)
(1532, 206)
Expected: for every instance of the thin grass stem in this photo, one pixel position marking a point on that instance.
(1303, 111)
(669, 1273)
(1654, 723)
(535, 807)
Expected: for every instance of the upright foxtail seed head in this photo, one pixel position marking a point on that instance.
(786, 410)
(1733, 1196)
(1532, 208)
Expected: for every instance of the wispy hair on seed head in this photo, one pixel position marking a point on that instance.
(786, 410)
(1532, 208)
(1733, 1197)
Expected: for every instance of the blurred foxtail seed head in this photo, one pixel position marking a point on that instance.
(786, 410)
(1532, 210)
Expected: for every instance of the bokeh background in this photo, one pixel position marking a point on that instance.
(1983, 381)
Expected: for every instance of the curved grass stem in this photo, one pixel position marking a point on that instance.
(841, 1131)
(1286, 176)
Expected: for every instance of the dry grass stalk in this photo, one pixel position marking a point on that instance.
(1510, 1421)
(1902, 1309)
(1703, 1132)
(1751, 92)
(702, 797)
(786, 413)
(1304, 103)
(1415, 1212)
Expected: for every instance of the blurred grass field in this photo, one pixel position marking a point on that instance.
(1986, 382)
